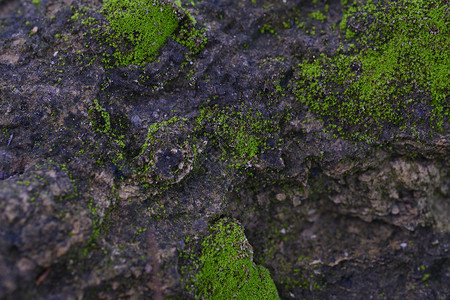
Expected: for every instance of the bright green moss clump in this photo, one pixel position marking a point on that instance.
(400, 75)
(138, 28)
(227, 270)
(132, 32)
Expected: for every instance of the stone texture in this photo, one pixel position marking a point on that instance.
(88, 212)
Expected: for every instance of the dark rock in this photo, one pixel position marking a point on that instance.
(111, 176)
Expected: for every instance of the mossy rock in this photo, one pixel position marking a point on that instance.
(137, 29)
(394, 72)
(226, 267)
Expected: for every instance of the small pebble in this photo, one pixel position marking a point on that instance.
(395, 210)
(280, 197)
(148, 268)
(403, 245)
(311, 212)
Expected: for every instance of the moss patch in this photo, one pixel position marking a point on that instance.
(103, 123)
(400, 75)
(138, 29)
(241, 135)
(226, 267)
(318, 16)
(132, 32)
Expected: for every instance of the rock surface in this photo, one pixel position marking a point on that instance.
(106, 173)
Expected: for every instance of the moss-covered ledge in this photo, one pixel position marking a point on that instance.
(224, 268)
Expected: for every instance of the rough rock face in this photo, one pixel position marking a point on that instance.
(111, 175)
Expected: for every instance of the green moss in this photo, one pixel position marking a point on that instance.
(318, 16)
(227, 270)
(267, 28)
(403, 52)
(192, 38)
(153, 128)
(138, 29)
(104, 126)
(240, 135)
(135, 30)
(101, 122)
(75, 16)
